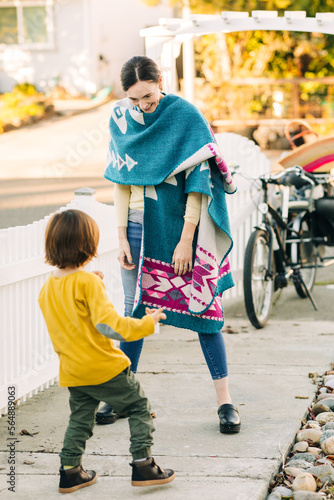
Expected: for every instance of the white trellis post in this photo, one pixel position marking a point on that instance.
(188, 60)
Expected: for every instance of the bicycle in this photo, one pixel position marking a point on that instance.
(289, 243)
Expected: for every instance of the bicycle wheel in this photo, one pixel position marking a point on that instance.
(304, 254)
(258, 288)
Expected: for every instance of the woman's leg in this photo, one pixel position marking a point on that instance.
(213, 347)
(129, 280)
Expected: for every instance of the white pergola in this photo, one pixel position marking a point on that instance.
(163, 42)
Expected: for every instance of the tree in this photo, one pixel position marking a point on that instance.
(214, 6)
(272, 54)
(260, 53)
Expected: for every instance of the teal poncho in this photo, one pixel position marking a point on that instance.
(172, 152)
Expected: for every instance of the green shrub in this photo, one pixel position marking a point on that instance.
(21, 106)
(25, 89)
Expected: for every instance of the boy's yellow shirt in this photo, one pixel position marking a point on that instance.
(76, 310)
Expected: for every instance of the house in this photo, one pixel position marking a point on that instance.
(79, 44)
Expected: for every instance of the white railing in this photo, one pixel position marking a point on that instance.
(27, 359)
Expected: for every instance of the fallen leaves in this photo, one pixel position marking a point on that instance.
(24, 432)
(229, 329)
(314, 376)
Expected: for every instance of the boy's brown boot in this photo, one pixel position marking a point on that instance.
(73, 479)
(148, 473)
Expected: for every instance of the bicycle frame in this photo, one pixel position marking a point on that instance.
(285, 244)
(277, 228)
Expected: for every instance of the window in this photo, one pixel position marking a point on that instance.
(26, 23)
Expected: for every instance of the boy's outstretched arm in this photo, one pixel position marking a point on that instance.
(110, 324)
(107, 331)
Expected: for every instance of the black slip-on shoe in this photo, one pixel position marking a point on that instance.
(73, 479)
(229, 420)
(107, 415)
(148, 473)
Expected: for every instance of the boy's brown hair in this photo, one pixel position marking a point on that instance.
(71, 239)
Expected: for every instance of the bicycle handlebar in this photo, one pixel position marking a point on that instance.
(311, 179)
(296, 170)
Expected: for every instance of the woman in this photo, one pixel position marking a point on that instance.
(174, 236)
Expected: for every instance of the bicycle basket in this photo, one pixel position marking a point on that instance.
(324, 218)
(315, 157)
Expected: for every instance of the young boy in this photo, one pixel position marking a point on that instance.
(81, 322)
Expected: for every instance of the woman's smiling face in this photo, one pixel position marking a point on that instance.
(146, 95)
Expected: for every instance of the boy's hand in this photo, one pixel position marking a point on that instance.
(157, 314)
(99, 273)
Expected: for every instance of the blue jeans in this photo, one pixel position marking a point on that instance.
(212, 344)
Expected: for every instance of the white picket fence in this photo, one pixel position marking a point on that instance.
(27, 359)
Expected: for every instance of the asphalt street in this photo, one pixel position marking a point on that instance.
(42, 165)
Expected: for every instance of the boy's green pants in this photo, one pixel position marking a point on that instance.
(125, 395)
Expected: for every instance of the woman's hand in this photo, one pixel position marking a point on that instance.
(182, 257)
(183, 254)
(124, 256)
(157, 314)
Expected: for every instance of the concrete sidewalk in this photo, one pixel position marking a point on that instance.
(269, 383)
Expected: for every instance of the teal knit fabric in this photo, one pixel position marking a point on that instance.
(173, 152)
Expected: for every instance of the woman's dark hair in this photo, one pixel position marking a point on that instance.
(71, 239)
(139, 69)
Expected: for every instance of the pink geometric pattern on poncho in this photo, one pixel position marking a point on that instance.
(230, 187)
(206, 275)
(161, 287)
(222, 166)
